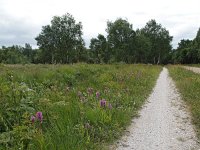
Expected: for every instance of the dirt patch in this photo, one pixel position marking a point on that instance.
(194, 69)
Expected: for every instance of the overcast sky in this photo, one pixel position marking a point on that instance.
(21, 20)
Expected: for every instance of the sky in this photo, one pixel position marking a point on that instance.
(21, 20)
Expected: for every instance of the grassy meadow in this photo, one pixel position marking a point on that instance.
(188, 84)
(75, 107)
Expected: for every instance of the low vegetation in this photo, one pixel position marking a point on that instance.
(188, 84)
(70, 106)
(193, 65)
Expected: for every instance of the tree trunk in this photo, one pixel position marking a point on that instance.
(52, 57)
(158, 62)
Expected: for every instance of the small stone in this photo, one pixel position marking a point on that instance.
(125, 145)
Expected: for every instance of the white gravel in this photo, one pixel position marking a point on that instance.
(164, 122)
(194, 69)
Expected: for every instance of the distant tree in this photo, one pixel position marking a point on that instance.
(142, 47)
(187, 52)
(184, 44)
(13, 55)
(60, 40)
(121, 37)
(99, 48)
(28, 52)
(160, 41)
(197, 39)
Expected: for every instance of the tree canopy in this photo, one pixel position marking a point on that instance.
(121, 37)
(188, 51)
(60, 40)
(160, 41)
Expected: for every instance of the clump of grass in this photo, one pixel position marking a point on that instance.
(76, 106)
(188, 84)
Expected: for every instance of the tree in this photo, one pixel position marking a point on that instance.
(197, 39)
(60, 40)
(99, 47)
(142, 47)
(13, 55)
(120, 39)
(160, 42)
(187, 52)
(28, 52)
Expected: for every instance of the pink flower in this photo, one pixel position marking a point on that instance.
(32, 119)
(39, 116)
(97, 95)
(103, 103)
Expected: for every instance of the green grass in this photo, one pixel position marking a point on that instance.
(193, 65)
(70, 120)
(188, 84)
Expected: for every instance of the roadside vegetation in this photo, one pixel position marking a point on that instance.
(188, 84)
(80, 106)
(193, 65)
(70, 106)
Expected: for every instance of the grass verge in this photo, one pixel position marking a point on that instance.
(188, 84)
(81, 106)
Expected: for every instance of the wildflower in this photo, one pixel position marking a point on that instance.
(39, 116)
(32, 119)
(97, 95)
(110, 106)
(90, 90)
(103, 103)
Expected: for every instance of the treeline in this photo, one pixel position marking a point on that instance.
(188, 51)
(61, 42)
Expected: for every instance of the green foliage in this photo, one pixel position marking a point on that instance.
(61, 40)
(160, 42)
(143, 48)
(99, 47)
(188, 51)
(151, 44)
(13, 55)
(121, 36)
(16, 107)
(73, 117)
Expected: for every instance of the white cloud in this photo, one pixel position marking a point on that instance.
(21, 20)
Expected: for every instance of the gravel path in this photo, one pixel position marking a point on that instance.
(164, 123)
(194, 69)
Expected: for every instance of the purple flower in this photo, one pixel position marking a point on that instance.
(39, 116)
(32, 119)
(97, 95)
(103, 103)
(110, 106)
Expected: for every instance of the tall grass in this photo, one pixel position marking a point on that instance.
(188, 84)
(83, 106)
